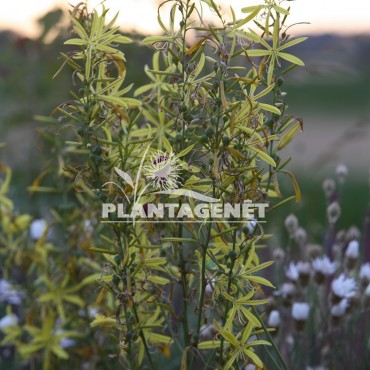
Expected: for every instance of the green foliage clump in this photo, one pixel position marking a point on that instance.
(180, 293)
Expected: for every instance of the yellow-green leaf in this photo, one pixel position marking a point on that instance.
(264, 156)
(289, 135)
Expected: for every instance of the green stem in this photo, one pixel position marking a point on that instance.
(277, 352)
(227, 301)
(142, 336)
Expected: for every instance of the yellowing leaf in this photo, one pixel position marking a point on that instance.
(264, 156)
(289, 135)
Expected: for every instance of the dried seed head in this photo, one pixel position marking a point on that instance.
(333, 212)
(314, 250)
(291, 223)
(340, 237)
(329, 187)
(278, 254)
(353, 233)
(300, 236)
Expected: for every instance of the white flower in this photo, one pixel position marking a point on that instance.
(365, 272)
(8, 320)
(344, 287)
(341, 171)
(303, 268)
(292, 272)
(250, 367)
(207, 331)
(64, 342)
(339, 309)
(210, 286)
(274, 319)
(37, 229)
(9, 294)
(92, 312)
(353, 249)
(324, 266)
(287, 290)
(300, 311)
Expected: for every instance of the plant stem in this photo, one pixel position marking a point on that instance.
(228, 292)
(142, 336)
(282, 362)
